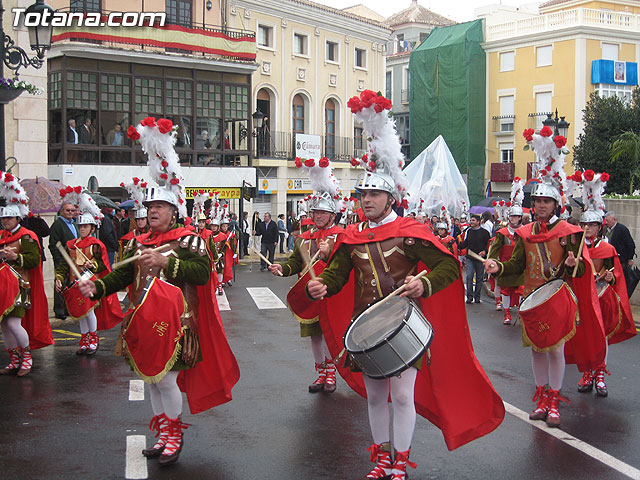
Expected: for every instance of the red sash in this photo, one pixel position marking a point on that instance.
(304, 309)
(10, 290)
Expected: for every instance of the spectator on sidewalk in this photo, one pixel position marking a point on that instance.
(282, 231)
(621, 239)
(246, 233)
(477, 241)
(268, 231)
(107, 234)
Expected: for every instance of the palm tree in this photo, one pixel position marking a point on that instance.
(627, 145)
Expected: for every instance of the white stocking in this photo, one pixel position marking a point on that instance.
(506, 301)
(317, 347)
(84, 327)
(556, 367)
(14, 333)
(170, 397)
(404, 409)
(92, 321)
(606, 355)
(377, 398)
(219, 278)
(540, 366)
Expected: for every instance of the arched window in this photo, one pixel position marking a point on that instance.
(330, 129)
(298, 114)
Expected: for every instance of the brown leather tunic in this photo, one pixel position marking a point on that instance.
(310, 246)
(545, 261)
(378, 268)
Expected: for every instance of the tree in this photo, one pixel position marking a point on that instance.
(605, 119)
(627, 146)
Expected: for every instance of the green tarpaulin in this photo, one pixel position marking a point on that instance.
(447, 97)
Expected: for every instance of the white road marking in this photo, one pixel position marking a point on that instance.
(136, 390)
(223, 301)
(136, 463)
(264, 298)
(593, 452)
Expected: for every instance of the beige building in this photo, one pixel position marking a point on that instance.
(311, 60)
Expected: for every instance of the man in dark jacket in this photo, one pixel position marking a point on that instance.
(621, 239)
(107, 234)
(269, 232)
(62, 230)
(38, 226)
(476, 239)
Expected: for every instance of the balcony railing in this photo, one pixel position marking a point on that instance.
(206, 40)
(401, 46)
(535, 119)
(503, 124)
(584, 17)
(503, 172)
(274, 145)
(338, 149)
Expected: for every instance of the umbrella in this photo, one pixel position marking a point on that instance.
(488, 202)
(102, 202)
(44, 194)
(479, 210)
(127, 204)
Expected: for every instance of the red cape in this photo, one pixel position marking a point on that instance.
(227, 273)
(588, 346)
(628, 327)
(109, 313)
(453, 392)
(209, 383)
(36, 320)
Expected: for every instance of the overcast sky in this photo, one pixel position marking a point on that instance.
(459, 10)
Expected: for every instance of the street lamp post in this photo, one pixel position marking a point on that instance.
(258, 118)
(14, 57)
(560, 127)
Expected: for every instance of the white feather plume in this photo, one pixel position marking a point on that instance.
(13, 193)
(136, 189)
(517, 191)
(198, 205)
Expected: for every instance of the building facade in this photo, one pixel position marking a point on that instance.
(555, 59)
(194, 70)
(410, 27)
(311, 60)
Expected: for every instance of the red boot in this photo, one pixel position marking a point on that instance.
(318, 385)
(586, 382)
(400, 464)
(174, 444)
(159, 423)
(330, 372)
(27, 361)
(553, 417)
(93, 343)
(498, 302)
(542, 408)
(219, 289)
(14, 362)
(83, 344)
(601, 387)
(381, 456)
(507, 317)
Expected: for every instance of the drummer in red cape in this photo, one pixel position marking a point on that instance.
(610, 282)
(90, 256)
(172, 335)
(321, 237)
(445, 384)
(510, 287)
(24, 315)
(557, 270)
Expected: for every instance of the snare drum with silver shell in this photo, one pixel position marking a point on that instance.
(387, 339)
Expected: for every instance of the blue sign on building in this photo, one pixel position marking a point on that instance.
(614, 73)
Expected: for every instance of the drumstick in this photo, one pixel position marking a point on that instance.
(397, 291)
(604, 274)
(67, 259)
(265, 259)
(137, 255)
(475, 256)
(309, 268)
(575, 269)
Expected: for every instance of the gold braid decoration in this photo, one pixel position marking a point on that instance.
(174, 273)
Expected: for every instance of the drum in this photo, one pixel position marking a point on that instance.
(77, 304)
(610, 308)
(10, 292)
(548, 315)
(385, 340)
(152, 341)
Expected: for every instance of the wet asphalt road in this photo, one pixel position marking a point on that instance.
(70, 417)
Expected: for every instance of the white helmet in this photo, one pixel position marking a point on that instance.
(544, 190)
(591, 216)
(376, 181)
(141, 212)
(86, 219)
(323, 202)
(155, 194)
(442, 225)
(10, 211)
(515, 210)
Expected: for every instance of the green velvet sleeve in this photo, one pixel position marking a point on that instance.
(117, 280)
(443, 268)
(293, 265)
(29, 256)
(97, 257)
(336, 275)
(497, 244)
(189, 267)
(62, 270)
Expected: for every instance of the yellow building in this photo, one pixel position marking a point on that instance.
(311, 59)
(554, 59)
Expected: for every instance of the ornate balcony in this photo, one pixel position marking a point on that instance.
(503, 172)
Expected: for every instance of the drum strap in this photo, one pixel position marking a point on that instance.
(387, 284)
